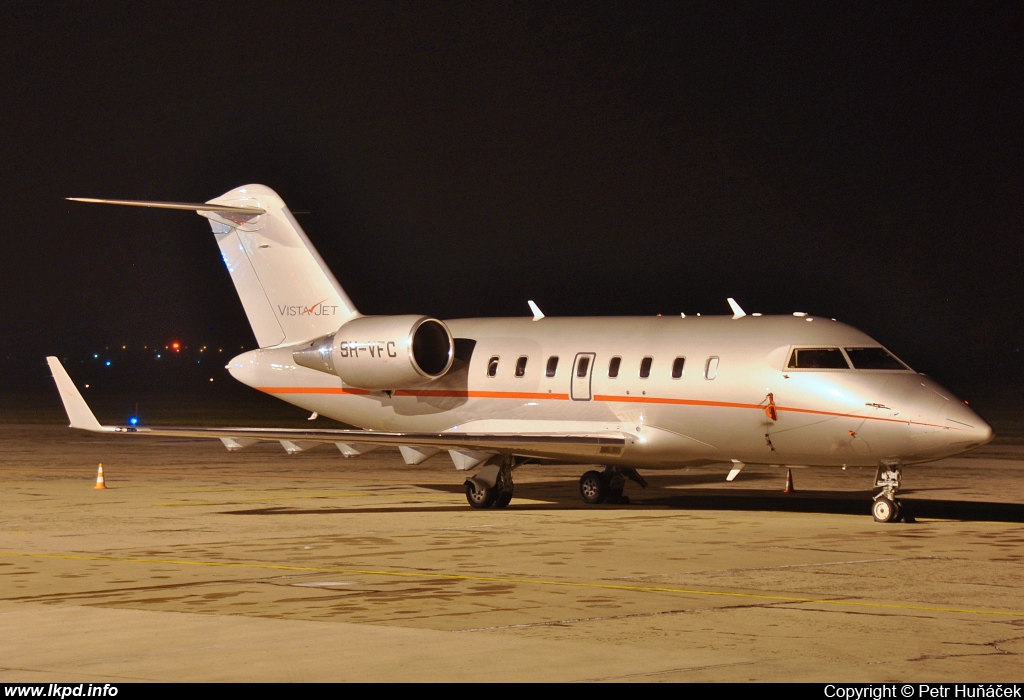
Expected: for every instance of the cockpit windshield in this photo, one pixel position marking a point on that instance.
(817, 358)
(873, 358)
(844, 358)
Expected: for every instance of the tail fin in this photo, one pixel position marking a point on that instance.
(287, 290)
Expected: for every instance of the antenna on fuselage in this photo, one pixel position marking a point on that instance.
(737, 312)
(537, 313)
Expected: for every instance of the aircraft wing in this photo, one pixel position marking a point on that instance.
(542, 444)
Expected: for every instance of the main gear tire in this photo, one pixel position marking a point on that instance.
(504, 499)
(593, 487)
(479, 495)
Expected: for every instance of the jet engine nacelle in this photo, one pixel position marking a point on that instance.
(382, 352)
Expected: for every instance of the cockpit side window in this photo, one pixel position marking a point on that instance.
(873, 358)
(817, 358)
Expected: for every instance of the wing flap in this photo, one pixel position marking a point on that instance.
(531, 444)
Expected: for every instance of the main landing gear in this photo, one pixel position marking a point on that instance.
(887, 508)
(492, 486)
(606, 486)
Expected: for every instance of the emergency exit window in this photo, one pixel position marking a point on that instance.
(582, 366)
(711, 368)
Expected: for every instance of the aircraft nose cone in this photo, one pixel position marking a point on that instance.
(961, 418)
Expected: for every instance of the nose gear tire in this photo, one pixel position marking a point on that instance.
(885, 510)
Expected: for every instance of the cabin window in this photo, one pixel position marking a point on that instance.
(552, 366)
(521, 366)
(613, 367)
(873, 358)
(583, 366)
(817, 358)
(677, 367)
(711, 368)
(645, 367)
(492, 366)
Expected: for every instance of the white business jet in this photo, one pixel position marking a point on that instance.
(624, 393)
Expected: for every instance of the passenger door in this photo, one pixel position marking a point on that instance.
(582, 369)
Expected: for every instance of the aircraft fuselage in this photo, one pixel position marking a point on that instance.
(716, 389)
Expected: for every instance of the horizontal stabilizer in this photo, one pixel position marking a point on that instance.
(184, 206)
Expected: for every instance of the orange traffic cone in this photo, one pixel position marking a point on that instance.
(100, 483)
(789, 482)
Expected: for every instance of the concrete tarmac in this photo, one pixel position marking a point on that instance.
(201, 565)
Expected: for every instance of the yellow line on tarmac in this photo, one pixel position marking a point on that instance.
(512, 579)
(227, 500)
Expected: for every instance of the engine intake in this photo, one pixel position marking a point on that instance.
(382, 352)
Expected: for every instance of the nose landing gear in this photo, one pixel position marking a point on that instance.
(887, 508)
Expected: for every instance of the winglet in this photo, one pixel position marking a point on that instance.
(537, 313)
(78, 410)
(737, 312)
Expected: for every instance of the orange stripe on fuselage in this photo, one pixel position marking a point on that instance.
(426, 393)
(441, 393)
(456, 394)
(677, 402)
(311, 390)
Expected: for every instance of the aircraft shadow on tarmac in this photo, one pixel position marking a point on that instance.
(564, 495)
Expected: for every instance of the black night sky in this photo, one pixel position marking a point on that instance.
(857, 161)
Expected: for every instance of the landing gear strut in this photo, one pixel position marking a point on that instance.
(606, 486)
(887, 508)
(492, 486)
